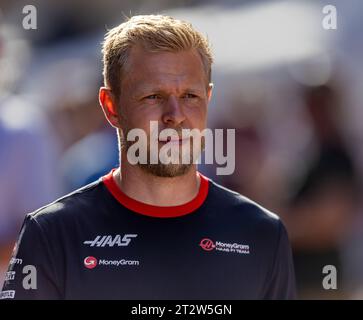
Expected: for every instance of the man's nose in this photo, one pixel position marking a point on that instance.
(173, 113)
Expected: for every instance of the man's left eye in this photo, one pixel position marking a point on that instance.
(190, 96)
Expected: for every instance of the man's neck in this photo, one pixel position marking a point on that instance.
(157, 191)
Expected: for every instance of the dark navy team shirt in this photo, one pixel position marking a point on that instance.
(97, 243)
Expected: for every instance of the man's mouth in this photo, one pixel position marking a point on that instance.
(173, 140)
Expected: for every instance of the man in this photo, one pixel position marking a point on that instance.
(153, 230)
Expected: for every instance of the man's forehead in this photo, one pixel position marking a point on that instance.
(159, 70)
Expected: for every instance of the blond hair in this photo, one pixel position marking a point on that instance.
(155, 33)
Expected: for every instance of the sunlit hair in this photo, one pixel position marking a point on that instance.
(155, 33)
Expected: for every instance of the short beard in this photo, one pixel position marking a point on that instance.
(166, 170)
(159, 169)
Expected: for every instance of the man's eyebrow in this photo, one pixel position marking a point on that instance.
(140, 91)
(195, 90)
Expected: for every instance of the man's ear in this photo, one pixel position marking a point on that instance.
(109, 107)
(209, 91)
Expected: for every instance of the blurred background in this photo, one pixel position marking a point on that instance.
(292, 90)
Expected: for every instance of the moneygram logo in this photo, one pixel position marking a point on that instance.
(209, 245)
(90, 262)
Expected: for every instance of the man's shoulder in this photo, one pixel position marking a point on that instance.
(73, 205)
(247, 217)
(233, 203)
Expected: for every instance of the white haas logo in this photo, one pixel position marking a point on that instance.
(102, 241)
